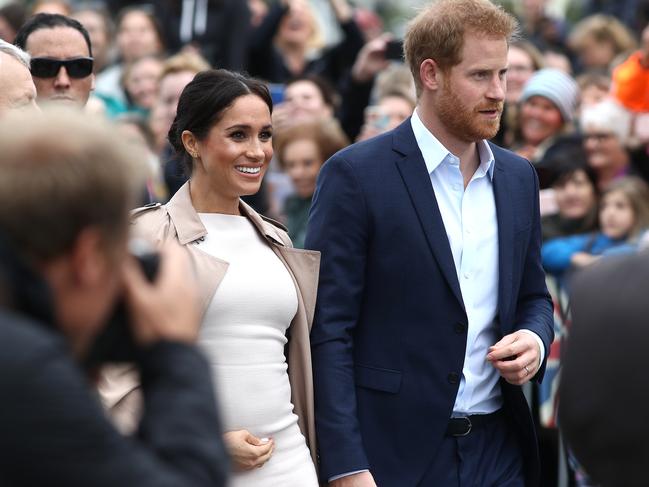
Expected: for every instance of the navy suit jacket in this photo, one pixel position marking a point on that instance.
(389, 334)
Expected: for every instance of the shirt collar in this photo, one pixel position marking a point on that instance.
(435, 153)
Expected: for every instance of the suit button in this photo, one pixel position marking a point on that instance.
(453, 378)
(459, 328)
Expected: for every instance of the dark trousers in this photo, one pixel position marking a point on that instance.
(489, 456)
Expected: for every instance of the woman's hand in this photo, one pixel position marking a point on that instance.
(246, 450)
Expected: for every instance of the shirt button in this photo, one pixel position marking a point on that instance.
(459, 327)
(453, 378)
(466, 275)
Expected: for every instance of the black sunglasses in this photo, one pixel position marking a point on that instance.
(45, 67)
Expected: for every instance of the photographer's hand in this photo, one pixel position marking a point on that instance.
(166, 309)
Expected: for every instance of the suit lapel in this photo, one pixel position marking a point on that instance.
(412, 168)
(504, 214)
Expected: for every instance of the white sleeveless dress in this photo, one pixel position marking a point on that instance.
(243, 335)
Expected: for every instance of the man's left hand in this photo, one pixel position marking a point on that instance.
(516, 357)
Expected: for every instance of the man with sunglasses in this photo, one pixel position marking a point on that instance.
(61, 58)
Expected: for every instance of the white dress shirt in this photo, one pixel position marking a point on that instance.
(470, 220)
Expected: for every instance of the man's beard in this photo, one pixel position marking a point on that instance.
(465, 123)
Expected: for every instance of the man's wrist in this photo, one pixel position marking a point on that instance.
(539, 342)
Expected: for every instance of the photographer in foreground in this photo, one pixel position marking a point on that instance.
(65, 191)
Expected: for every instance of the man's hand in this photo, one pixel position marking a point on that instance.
(517, 357)
(168, 309)
(246, 450)
(362, 479)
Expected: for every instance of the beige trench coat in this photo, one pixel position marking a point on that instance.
(178, 220)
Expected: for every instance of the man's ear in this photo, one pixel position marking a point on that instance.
(430, 75)
(89, 259)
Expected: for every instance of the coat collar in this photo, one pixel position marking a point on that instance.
(415, 176)
(190, 228)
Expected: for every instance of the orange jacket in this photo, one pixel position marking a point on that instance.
(631, 84)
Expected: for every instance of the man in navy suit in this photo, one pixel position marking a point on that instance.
(432, 307)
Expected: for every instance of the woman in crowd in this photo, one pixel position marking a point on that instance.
(623, 217)
(548, 104)
(137, 34)
(258, 292)
(598, 40)
(389, 111)
(305, 98)
(594, 87)
(523, 60)
(606, 128)
(574, 184)
(301, 151)
(98, 23)
(140, 81)
(282, 47)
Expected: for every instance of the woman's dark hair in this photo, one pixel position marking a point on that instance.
(203, 101)
(566, 161)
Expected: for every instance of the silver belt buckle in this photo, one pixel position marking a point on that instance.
(469, 426)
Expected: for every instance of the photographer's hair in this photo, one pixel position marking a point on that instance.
(203, 102)
(49, 21)
(61, 174)
(15, 52)
(437, 32)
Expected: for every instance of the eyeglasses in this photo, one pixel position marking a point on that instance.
(45, 67)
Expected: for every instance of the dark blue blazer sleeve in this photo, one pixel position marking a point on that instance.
(534, 306)
(339, 228)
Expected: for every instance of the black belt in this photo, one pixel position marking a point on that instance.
(463, 425)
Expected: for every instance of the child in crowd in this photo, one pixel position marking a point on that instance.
(623, 216)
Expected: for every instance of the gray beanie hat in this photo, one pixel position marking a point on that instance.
(555, 85)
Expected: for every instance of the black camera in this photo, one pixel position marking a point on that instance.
(394, 50)
(115, 341)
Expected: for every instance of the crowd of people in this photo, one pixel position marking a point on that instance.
(233, 109)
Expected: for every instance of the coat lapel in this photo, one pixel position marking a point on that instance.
(505, 216)
(417, 180)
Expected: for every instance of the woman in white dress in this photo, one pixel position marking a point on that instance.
(258, 292)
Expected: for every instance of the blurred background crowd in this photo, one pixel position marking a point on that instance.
(577, 106)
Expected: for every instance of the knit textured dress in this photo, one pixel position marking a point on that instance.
(244, 335)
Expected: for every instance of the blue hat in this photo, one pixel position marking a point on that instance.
(555, 85)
